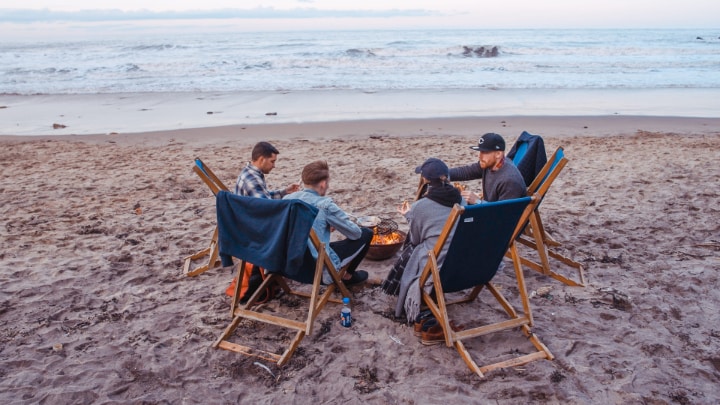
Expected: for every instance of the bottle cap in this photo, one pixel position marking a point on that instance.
(346, 300)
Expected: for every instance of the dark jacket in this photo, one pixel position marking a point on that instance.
(531, 158)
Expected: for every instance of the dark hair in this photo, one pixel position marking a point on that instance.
(315, 172)
(263, 149)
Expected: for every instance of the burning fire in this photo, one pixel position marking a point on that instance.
(387, 239)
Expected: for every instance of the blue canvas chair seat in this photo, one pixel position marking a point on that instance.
(473, 246)
(483, 233)
(537, 238)
(211, 252)
(275, 235)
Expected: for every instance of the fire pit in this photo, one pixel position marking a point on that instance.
(386, 241)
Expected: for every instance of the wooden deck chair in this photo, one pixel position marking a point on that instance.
(211, 252)
(537, 238)
(254, 240)
(482, 235)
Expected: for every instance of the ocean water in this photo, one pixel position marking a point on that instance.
(363, 60)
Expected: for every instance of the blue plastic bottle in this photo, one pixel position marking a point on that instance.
(345, 315)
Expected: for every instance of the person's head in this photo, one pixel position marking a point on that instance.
(491, 150)
(434, 170)
(264, 156)
(316, 175)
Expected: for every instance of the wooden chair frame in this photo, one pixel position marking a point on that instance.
(438, 303)
(212, 251)
(317, 300)
(537, 238)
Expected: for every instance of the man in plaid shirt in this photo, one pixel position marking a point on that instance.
(251, 182)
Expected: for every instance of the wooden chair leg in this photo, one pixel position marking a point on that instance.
(536, 240)
(318, 297)
(213, 252)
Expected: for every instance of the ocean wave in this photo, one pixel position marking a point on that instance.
(359, 52)
(154, 47)
(363, 60)
(482, 51)
(48, 71)
(263, 66)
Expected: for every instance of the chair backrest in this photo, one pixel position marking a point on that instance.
(547, 175)
(272, 234)
(207, 176)
(482, 236)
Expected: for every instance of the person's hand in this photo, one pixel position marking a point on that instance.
(292, 188)
(404, 208)
(470, 197)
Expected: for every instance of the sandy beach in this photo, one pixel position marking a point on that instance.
(95, 307)
(104, 114)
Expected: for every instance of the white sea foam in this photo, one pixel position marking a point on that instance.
(365, 60)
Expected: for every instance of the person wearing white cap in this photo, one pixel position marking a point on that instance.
(501, 180)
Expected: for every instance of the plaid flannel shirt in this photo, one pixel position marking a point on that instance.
(251, 183)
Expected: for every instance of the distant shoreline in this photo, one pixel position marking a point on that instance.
(103, 114)
(508, 126)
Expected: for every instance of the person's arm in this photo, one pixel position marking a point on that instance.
(467, 172)
(279, 194)
(276, 194)
(339, 219)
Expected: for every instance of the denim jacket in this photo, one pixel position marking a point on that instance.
(329, 216)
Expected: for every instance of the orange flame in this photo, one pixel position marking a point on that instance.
(388, 239)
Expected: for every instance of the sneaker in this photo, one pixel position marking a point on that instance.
(359, 276)
(432, 335)
(420, 320)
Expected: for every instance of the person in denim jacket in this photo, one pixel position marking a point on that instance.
(316, 177)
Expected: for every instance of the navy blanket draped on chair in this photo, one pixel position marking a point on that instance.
(272, 234)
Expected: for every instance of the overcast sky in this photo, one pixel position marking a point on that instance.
(346, 14)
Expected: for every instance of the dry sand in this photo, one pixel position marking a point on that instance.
(95, 308)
